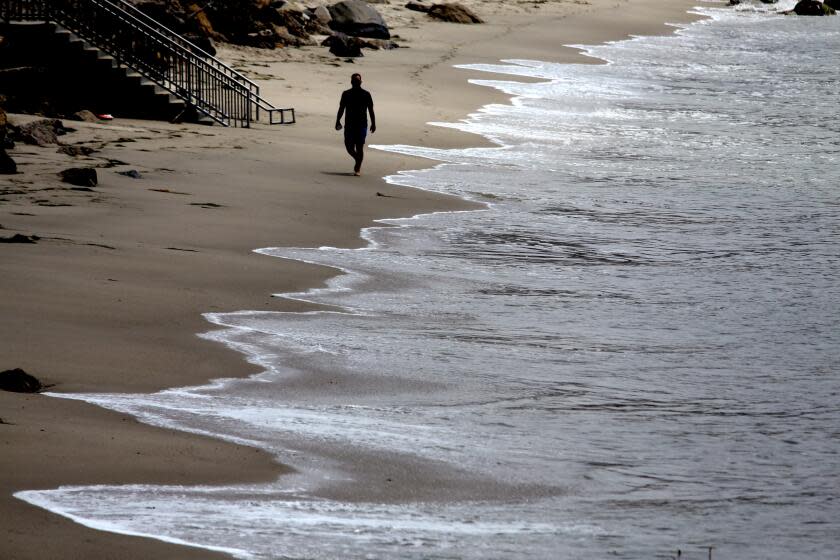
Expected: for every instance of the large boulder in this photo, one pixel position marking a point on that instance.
(18, 381)
(833, 4)
(358, 18)
(454, 13)
(812, 8)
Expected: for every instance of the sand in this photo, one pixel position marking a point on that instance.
(110, 298)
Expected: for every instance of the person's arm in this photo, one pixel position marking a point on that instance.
(342, 104)
(372, 117)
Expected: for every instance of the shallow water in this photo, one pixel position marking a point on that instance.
(638, 339)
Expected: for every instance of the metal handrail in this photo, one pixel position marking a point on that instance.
(157, 53)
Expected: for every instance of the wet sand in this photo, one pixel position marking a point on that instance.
(110, 298)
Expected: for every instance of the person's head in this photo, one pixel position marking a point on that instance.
(356, 80)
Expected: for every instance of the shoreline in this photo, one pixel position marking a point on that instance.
(205, 455)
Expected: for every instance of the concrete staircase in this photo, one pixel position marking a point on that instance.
(155, 100)
(141, 64)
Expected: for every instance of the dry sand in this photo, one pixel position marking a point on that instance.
(110, 299)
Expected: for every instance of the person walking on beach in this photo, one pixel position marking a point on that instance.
(357, 102)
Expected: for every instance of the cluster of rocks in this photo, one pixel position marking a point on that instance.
(45, 132)
(350, 25)
(804, 7)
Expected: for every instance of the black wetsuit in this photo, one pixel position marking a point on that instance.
(356, 102)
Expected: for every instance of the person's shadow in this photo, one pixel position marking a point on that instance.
(338, 173)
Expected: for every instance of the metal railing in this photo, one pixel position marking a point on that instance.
(139, 42)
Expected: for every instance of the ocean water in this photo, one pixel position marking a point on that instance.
(634, 349)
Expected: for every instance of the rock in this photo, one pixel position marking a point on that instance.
(342, 45)
(85, 116)
(200, 23)
(418, 7)
(20, 238)
(293, 21)
(7, 164)
(80, 176)
(287, 39)
(263, 39)
(377, 44)
(133, 173)
(812, 8)
(833, 4)
(734, 2)
(75, 150)
(454, 13)
(203, 42)
(322, 14)
(358, 18)
(18, 381)
(42, 132)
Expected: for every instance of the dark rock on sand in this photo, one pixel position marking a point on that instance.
(7, 164)
(358, 18)
(18, 381)
(812, 8)
(75, 150)
(133, 173)
(342, 45)
(454, 13)
(418, 7)
(20, 238)
(84, 116)
(80, 176)
(42, 132)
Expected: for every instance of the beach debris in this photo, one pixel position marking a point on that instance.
(18, 381)
(76, 150)
(207, 204)
(20, 238)
(359, 19)
(84, 115)
(133, 173)
(454, 13)
(80, 176)
(813, 8)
